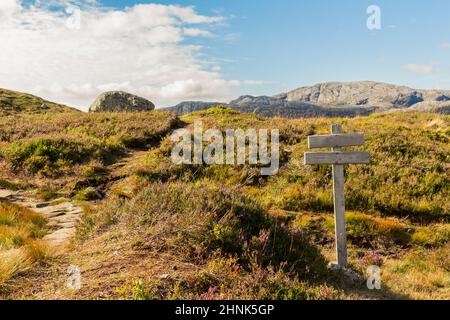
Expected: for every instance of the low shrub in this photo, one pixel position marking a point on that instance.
(52, 156)
(88, 194)
(200, 221)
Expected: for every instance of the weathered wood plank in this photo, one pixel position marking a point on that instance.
(336, 157)
(335, 140)
(339, 214)
(339, 206)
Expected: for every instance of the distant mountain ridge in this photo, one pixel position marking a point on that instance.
(330, 99)
(336, 99)
(186, 107)
(13, 102)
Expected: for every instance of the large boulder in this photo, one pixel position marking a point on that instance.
(119, 101)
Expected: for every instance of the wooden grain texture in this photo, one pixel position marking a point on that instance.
(336, 157)
(339, 214)
(335, 140)
(339, 207)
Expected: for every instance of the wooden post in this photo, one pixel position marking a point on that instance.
(339, 206)
(338, 159)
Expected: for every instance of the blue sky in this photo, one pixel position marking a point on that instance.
(216, 50)
(290, 43)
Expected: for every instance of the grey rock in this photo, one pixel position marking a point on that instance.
(42, 204)
(350, 277)
(119, 101)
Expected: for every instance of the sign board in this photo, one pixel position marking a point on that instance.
(337, 159)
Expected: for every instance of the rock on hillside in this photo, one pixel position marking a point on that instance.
(13, 102)
(119, 101)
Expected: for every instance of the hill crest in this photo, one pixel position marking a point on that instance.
(13, 102)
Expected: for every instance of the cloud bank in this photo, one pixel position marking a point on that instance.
(420, 69)
(70, 52)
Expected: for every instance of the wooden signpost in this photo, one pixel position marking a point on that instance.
(337, 158)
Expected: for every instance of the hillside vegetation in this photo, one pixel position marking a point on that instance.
(21, 246)
(165, 231)
(408, 176)
(71, 151)
(13, 103)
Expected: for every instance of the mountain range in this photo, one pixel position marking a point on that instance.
(330, 99)
(335, 99)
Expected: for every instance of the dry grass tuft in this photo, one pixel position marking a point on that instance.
(20, 244)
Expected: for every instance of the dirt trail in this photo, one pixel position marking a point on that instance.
(62, 214)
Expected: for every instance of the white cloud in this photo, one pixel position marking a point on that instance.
(194, 32)
(445, 45)
(419, 68)
(255, 82)
(9, 6)
(70, 57)
(237, 83)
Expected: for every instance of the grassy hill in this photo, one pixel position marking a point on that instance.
(64, 153)
(164, 231)
(12, 102)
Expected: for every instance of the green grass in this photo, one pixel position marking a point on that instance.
(198, 221)
(396, 204)
(88, 194)
(66, 146)
(224, 279)
(408, 176)
(17, 225)
(225, 232)
(235, 243)
(13, 103)
(6, 184)
(51, 156)
(20, 230)
(370, 231)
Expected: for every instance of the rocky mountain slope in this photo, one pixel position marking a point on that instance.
(337, 99)
(12, 102)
